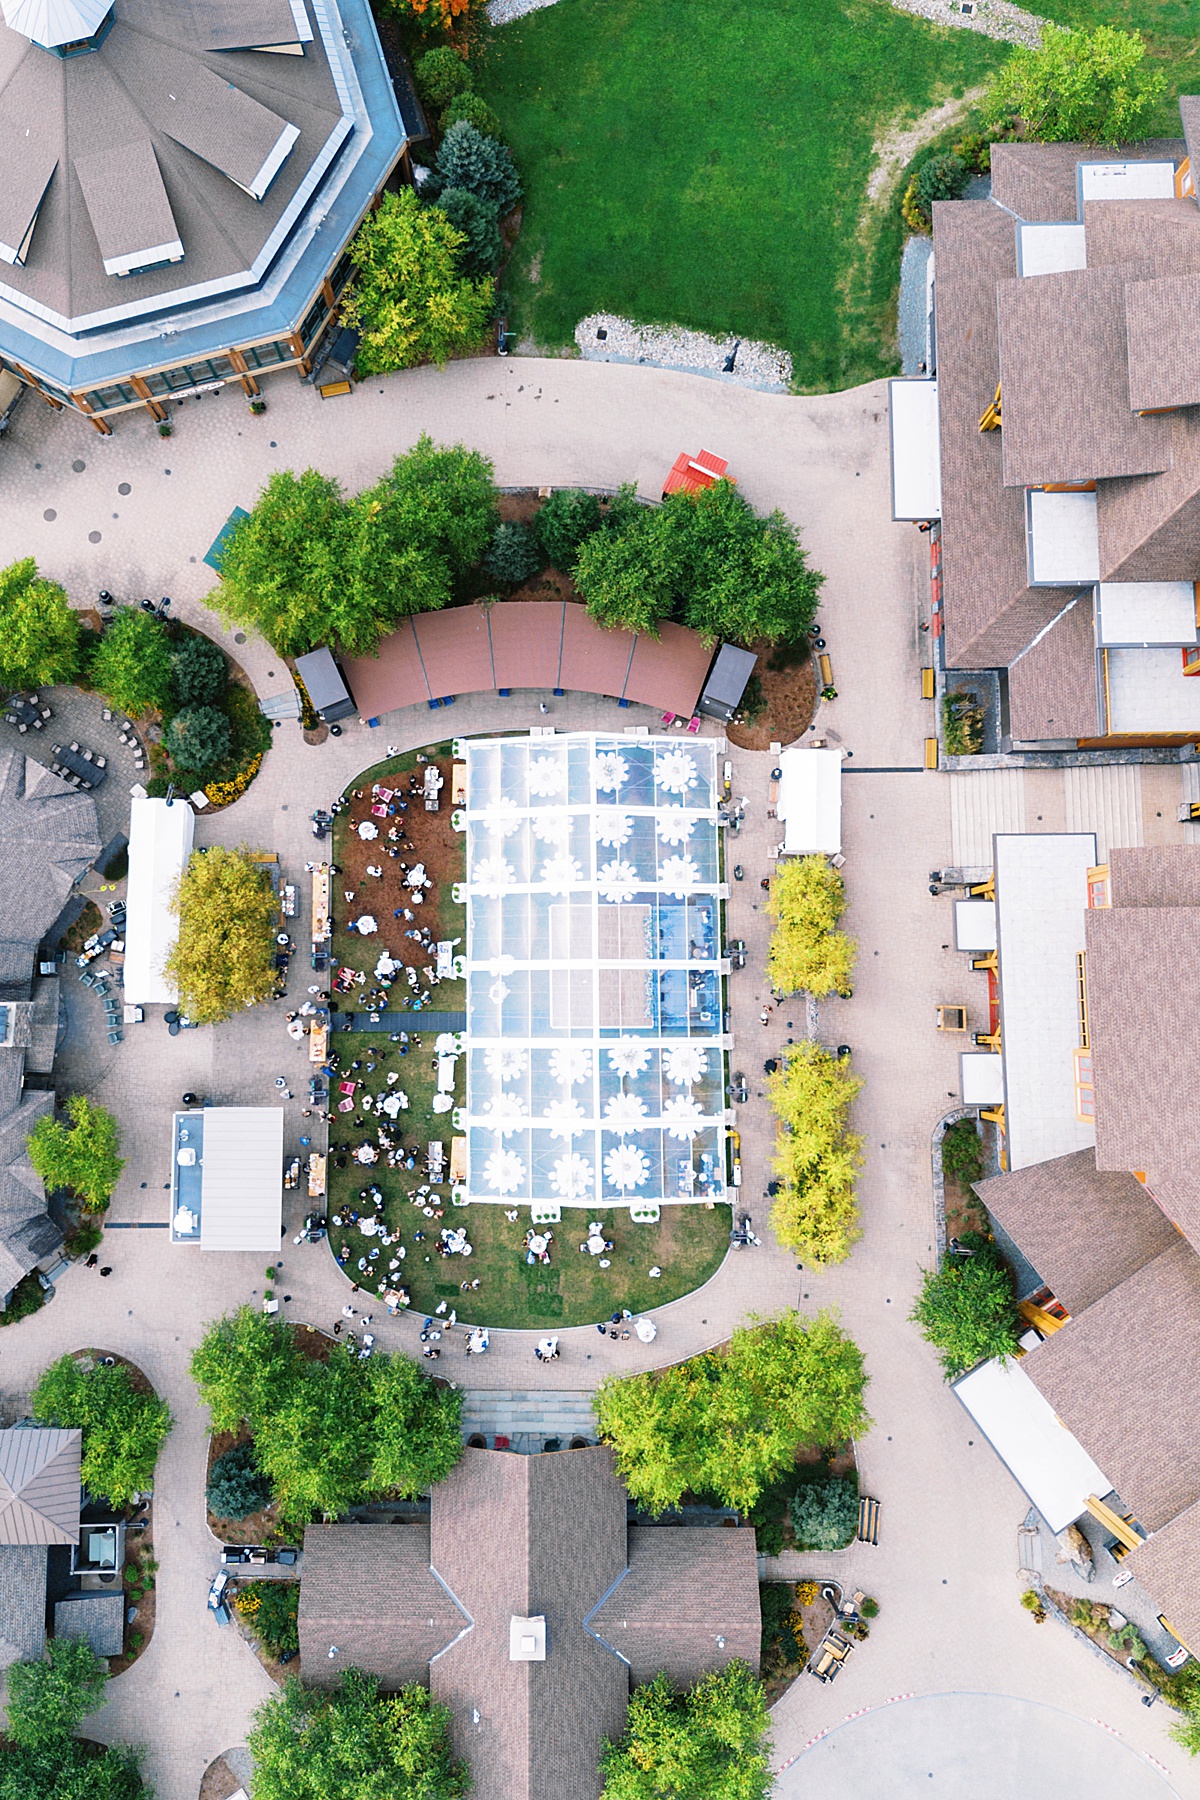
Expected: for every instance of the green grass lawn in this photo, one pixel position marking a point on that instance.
(706, 165)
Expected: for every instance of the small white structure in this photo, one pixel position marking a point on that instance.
(227, 1178)
(160, 843)
(810, 802)
(1025, 1432)
(916, 449)
(975, 926)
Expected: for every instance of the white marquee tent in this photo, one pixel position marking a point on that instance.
(160, 843)
(810, 802)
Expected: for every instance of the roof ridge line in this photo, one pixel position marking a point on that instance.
(1047, 629)
(604, 1598)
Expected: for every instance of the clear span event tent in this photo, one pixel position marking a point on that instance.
(810, 802)
(527, 644)
(160, 843)
(594, 1011)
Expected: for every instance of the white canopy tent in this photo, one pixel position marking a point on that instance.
(160, 843)
(242, 1192)
(810, 802)
(916, 449)
(1025, 1432)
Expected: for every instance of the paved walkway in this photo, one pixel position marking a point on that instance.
(945, 1569)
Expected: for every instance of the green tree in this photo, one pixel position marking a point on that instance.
(408, 299)
(1092, 86)
(481, 248)
(744, 578)
(441, 74)
(728, 1425)
(354, 1744)
(237, 1486)
(316, 1446)
(807, 952)
(417, 1438)
(967, 1309)
(244, 1366)
(224, 956)
(475, 110)
(46, 1701)
(815, 1214)
(279, 569)
(131, 665)
(199, 672)
(483, 165)
(39, 630)
(198, 738)
(82, 1154)
(824, 1514)
(710, 1743)
(123, 1429)
(563, 521)
(513, 554)
(628, 576)
(445, 497)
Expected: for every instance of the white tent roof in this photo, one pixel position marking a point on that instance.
(160, 843)
(242, 1193)
(810, 802)
(1025, 1432)
(54, 22)
(916, 450)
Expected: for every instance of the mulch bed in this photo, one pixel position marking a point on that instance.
(779, 1671)
(791, 703)
(219, 1781)
(257, 1528)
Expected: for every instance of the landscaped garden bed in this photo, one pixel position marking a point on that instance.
(964, 1160)
(266, 1612)
(781, 700)
(821, 1488)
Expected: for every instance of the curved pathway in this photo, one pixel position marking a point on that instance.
(945, 1568)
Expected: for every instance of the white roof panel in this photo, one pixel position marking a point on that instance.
(160, 843)
(981, 1074)
(1049, 249)
(1147, 612)
(54, 22)
(1041, 900)
(1127, 181)
(1147, 690)
(1025, 1432)
(1064, 541)
(242, 1190)
(975, 925)
(810, 802)
(916, 450)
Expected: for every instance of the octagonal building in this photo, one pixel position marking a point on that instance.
(179, 182)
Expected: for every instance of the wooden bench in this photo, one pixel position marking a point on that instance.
(332, 389)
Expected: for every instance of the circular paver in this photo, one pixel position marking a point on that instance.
(79, 465)
(123, 487)
(94, 537)
(984, 1745)
(50, 515)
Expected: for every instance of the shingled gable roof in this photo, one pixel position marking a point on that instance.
(1155, 875)
(1149, 526)
(368, 1590)
(1165, 232)
(991, 611)
(1168, 1566)
(1038, 182)
(684, 1589)
(1164, 363)
(1052, 685)
(49, 835)
(1063, 372)
(1084, 1230)
(1120, 1377)
(39, 1486)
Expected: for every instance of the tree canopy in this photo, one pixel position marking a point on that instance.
(705, 559)
(198, 737)
(354, 1744)
(47, 1701)
(39, 630)
(199, 672)
(82, 1154)
(224, 956)
(1091, 86)
(123, 1429)
(807, 952)
(131, 665)
(815, 1215)
(709, 1743)
(409, 299)
(728, 1423)
(968, 1308)
(326, 1434)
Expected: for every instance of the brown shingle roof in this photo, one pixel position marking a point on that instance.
(1149, 526)
(1168, 1567)
(991, 612)
(685, 1588)
(1155, 875)
(368, 1590)
(1062, 366)
(1121, 1376)
(1164, 364)
(1145, 1036)
(1037, 181)
(1165, 232)
(1083, 1230)
(1178, 1195)
(1052, 685)
(1189, 118)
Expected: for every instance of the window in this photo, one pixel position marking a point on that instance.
(1099, 890)
(104, 399)
(1081, 987)
(268, 356)
(313, 320)
(1085, 1092)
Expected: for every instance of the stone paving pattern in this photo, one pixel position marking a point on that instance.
(945, 1570)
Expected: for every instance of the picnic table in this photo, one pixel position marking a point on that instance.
(458, 1159)
(435, 1159)
(318, 1041)
(458, 784)
(90, 773)
(316, 1176)
(320, 902)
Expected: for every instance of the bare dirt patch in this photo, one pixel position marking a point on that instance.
(789, 694)
(895, 147)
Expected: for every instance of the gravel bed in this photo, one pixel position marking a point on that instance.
(994, 18)
(503, 12)
(671, 347)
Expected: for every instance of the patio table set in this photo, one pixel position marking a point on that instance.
(26, 712)
(79, 768)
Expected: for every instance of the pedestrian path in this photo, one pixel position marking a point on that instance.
(527, 1418)
(407, 1021)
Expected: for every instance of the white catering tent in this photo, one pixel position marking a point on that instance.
(810, 802)
(1050, 1464)
(160, 843)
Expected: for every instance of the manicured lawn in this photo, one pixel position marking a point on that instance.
(706, 165)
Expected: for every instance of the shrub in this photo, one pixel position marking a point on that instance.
(237, 1486)
(870, 1608)
(775, 1603)
(198, 738)
(512, 556)
(476, 221)
(408, 298)
(86, 1237)
(1088, 85)
(26, 1298)
(942, 177)
(39, 630)
(967, 1309)
(224, 956)
(441, 75)
(975, 150)
(962, 1152)
(117, 866)
(563, 521)
(824, 1514)
(709, 1743)
(81, 1154)
(962, 724)
(123, 1429)
(199, 672)
(481, 164)
(815, 1215)
(355, 1743)
(132, 663)
(475, 110)
(271, 1609)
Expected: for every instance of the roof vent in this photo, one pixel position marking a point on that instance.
(527, 1639)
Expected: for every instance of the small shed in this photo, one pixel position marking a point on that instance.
(241, 1182)
(810, 802)
(722, 692)
(161, 833)
(324, 685)
(98, 1619)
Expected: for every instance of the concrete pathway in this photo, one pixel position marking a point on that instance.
(945, 1568)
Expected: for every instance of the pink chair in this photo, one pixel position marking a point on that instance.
(694, 722)
(668, 718)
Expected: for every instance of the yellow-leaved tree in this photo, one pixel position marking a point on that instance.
(409, 299)
(224, 956)
(817, 1157)
(808, 953)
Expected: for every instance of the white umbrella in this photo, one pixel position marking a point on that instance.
(366, 926)
(647, 1330)
(368, 830)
